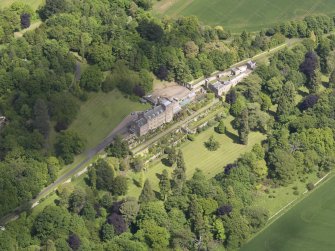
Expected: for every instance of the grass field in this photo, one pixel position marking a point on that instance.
(308, 226)
(100, 114)
(244, 14)
(197, 156)
(33, 3)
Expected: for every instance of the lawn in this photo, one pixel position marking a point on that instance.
(309, 225)
(100, 114)
(197, 156)
(33, 3)
(244, 14)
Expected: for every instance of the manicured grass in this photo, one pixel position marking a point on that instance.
(33, 3)
(244, 14)
(309, 225)
(197, 156)
(100, 114)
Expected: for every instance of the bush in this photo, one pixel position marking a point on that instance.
(190, 137)
(296, 192)
(212, 144)
(310, 186)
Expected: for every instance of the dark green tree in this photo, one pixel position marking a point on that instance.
(107, 232)
(118, 148)
(147, 193)
(243, 126)
(212, 144)
(221, 128)
(120, 185)
(179, 174)
(68, 144)
(104, 175)
(164, 184)
(41, 117)
(91, 79)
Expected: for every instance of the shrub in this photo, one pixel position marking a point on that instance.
(212, 144)
(296, 192)
(190, 137)
(310, 186)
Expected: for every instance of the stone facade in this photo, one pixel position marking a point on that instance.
(154, 117)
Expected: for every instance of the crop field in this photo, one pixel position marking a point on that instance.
(101, 113)
(239, 15)
(197, 156)
(33, 3)
(308, 226)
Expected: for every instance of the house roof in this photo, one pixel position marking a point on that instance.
(141, 122)
(154, 112)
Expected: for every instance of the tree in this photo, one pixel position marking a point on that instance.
(77, 201)
(67, 145)
(237, 230)
(74, 241)
(118, 223)
(51, 223)
(104, 175)
(286, 101)
(41, 117)
(156, 237)
(212, 144)
(282, 166)
(231, 96)
(106, 200)
(120, 185)
(179, 174)
(309, 102)
(91, 79)
(310, 67)
(150, 30)
(129, 210)
(52, 7)
(191, 49)
(63, 109)
(221, 128)
(88, 211)
(238, 106)
(25, 20)
(219, 230)
(332, 79)
(101, 55)
(147, 193)
(107, 232)
(118, 148)
(172, 156)
(243, 126)
(164, 184)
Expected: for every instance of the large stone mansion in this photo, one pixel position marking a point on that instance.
(155, 117)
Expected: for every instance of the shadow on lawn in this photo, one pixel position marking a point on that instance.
(233, 137)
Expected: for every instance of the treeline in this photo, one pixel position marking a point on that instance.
(194, 214)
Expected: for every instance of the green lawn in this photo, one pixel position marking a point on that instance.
(244, 14)
(33, 3)
(101, 113)
(282, 195)
(197, 156)
(308, 226)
